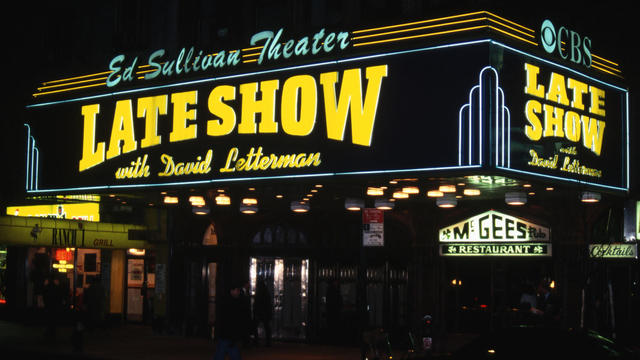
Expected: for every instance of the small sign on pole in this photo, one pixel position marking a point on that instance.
(372, 227)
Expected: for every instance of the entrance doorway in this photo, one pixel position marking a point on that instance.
(341, 312)
(140, 286)
(287, 283)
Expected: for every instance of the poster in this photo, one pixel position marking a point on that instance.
(372, 227)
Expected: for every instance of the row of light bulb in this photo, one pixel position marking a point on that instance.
(445, 198)
(249, 205)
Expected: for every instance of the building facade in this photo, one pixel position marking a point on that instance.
(369, 170)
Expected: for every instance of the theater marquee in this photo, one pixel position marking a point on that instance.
(331, 103)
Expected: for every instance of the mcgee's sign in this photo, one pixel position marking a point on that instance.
(493, 226)
(495, 234)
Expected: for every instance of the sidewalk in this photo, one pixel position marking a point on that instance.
(131, 341)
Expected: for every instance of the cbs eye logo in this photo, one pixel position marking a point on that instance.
(567, 43)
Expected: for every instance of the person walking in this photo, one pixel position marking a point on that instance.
(263, 311)
(54, 305)
(230, 325)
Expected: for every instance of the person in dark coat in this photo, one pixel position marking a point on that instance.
(263, 311)
(94, 299)
(53, 296)
(334, 309)
(231, 326)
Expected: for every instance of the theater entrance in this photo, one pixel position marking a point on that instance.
(287, 284)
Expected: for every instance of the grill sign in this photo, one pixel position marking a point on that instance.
(493, 226)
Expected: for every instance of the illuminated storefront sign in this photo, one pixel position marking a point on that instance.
(339, 117)
(495, 234)
(63, 233)
(80, 211)
(62, 266)
(613, 251)
(493, 226)
(387, 111)
(528, 249)
(63, 254)
(562, 124)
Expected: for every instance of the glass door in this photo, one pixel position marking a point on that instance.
(287, 283)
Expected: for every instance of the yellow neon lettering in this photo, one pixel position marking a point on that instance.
(553, 117)
(255, 160)
(199, 166)
(579, 88)
(299, 89)
(593, 131)
(231, 157)
(150, 108)
(92, 154)
(122, 130)
(572, 126)
(597, 101)
(557, 90)
(227, 121)
(350, 98)
(265, 106)
(534, 130)
(532, 87)
(241, 164)
(182, 129)
(138, 169)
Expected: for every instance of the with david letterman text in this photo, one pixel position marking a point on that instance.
(254, 160)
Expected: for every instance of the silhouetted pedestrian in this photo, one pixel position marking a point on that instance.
(529, 312)
(53, 297)
(230, 325)
(263, 311)
(334, 309)
(245, 297)
(94, 299)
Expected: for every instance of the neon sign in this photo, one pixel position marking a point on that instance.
(298, 104)
(553, 41)
(568, 124)
(495, 234)
(493, 226)
(613, 251)
(74, 211)
(62, 266)
(195, 61)
(373, 109)
(529, 249)
(564, 125)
